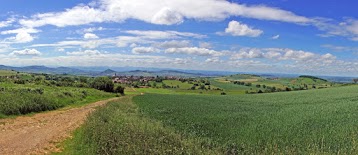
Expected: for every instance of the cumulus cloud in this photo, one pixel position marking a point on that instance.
(159, 12)
(144, 50)
(90, 36)
(167, 16)
(194, 51)
(238, 29)
(26, 52)
(23, 37)
(249, 53)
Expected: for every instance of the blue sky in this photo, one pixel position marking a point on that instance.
(282, 36)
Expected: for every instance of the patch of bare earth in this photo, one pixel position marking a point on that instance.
(39, 134)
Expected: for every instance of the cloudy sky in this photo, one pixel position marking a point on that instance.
(281, 36)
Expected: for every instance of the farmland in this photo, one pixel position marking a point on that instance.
(237, 114)
(320, 121)
(315, 121)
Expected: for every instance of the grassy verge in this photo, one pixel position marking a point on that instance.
(27, 99)
(119, 128)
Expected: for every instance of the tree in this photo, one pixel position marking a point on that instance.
(103, 83)
(355, 80)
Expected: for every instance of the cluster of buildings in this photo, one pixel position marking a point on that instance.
(142, 79)
(131, 79)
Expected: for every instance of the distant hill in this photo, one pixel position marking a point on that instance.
(159, 73)
(44, 69)
(97, 72)
(107, 72)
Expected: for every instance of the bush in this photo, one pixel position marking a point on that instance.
(119, 89)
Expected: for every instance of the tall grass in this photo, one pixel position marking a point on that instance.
(20, 100)
(118, 128)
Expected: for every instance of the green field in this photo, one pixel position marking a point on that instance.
(302, 122)
(7, 73)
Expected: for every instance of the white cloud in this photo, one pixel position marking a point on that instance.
(194, 51)
(7, 22)
(348, 28)
(144, 50)
(93, 29)
(279, 54)
(249, 53)
(159, 12)
(90, 36)
(20, 30)
(86, 52)
(5, 48)
(134, 37)
(61, 49)
(23, 37)
(163, 34)
(167, 16)
(340, 48)
(275, 37)
(78, 15)
(26, 52)
(213, 60)
(238, 29)
(205, 45)
(172, 44)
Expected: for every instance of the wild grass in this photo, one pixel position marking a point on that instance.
(24, 99)
(304, 122)
(119, 128)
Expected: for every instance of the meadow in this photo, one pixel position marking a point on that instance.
(300, 122)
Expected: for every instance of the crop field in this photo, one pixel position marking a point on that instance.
(176, 83)
(315, 121)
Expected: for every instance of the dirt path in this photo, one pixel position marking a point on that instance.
(40, 133)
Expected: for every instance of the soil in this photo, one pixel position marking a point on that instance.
(41, 133)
